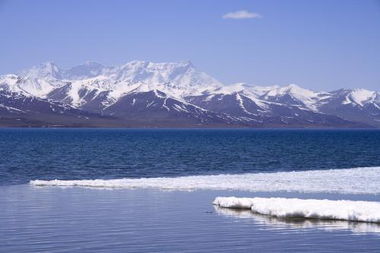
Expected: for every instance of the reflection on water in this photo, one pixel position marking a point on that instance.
(299, 223)
(51, 219)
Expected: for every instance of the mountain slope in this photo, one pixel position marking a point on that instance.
(355, 105)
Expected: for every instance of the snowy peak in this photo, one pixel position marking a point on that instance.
(293, 95)
(292, 90)
(230, 89)
(46, 70)
(355, 97)
(175, 78)
(361, 96)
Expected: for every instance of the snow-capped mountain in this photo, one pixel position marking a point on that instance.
(141, 93)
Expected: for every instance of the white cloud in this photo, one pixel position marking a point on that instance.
(243, 14)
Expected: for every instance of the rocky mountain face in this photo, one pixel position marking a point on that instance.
(146, 94)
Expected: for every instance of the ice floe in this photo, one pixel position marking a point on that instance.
(345, 181)
(358, 211)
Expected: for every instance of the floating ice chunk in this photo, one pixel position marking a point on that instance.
(363, 211)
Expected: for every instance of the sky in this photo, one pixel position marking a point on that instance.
(317, 44)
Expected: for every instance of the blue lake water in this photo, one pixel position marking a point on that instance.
(27, 154)
(77, 219)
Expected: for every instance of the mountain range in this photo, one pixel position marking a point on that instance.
(146, 94)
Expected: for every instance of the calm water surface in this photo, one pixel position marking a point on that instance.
(53, 219)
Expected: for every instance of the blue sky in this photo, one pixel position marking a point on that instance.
(317, 44)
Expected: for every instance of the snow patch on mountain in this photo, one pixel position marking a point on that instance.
(361, 96)
(307, 98)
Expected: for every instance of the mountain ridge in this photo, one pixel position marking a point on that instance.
(147, 94)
